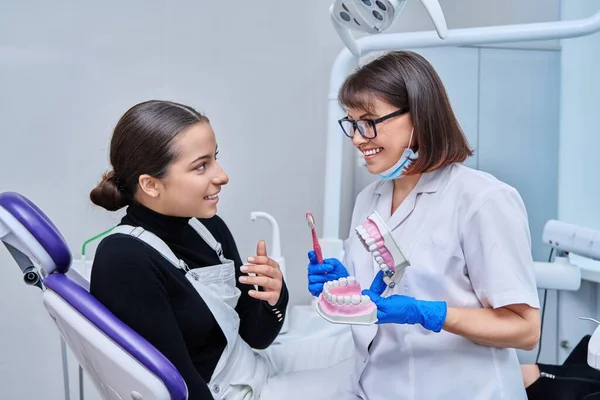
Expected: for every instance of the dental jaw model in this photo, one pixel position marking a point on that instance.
(341, 301)
(377, 239)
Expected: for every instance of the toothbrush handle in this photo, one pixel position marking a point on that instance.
(317, 249)
(319, 253)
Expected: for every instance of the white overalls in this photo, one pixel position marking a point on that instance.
(241, 372)
(467, 238)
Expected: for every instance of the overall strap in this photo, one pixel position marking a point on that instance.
(153, 241)
(208, 238)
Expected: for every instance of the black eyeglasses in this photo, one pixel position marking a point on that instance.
(366, 127)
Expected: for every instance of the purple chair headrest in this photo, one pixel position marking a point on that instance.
(40, 226)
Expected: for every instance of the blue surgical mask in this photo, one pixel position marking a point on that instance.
(397, 170)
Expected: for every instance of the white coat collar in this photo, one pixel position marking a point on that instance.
(429, 182)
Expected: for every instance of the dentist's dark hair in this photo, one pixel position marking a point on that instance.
(405, 79)
(142, 143)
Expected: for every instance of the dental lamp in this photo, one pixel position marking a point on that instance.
(375, 16)
(568, 238)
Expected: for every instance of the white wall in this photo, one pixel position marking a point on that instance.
(68, 70)
(579, 186)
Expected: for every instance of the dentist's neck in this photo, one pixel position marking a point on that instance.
(406, 183)
(402, 187)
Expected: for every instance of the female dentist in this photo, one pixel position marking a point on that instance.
(469, 298)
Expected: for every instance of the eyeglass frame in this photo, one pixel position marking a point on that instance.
(371, 122)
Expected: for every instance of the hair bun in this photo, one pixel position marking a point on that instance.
(108, 195)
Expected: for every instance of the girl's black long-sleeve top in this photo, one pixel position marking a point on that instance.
(153, 297)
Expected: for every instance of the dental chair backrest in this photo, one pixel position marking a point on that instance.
(122, 364)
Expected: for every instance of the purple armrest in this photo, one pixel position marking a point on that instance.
(40, 226)
(124, 336)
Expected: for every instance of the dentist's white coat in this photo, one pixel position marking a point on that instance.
(467, 237)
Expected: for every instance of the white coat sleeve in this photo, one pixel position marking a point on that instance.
(496, 244)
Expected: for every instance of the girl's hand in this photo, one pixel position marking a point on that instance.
(268, 275)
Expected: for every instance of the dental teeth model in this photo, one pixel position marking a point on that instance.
(341, 302)
(378, 240)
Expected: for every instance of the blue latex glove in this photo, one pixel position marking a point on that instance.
(400, 309)
(318, 274)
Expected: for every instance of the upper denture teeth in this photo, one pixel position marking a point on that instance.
(376, 253)
(343, 282)
(372, 247)
(335, 283)
(351, 280)
(384, 267)
(370, 241)
(379, 259)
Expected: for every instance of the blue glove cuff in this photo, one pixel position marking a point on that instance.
(433, 314)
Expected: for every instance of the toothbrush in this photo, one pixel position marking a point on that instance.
(310, 219)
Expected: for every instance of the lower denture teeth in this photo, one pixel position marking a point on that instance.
(372, 247)
(379, 259)
(342, 302)
(376, 253)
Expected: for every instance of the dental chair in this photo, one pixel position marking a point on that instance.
(120, 363)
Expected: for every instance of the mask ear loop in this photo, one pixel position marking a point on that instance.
(410, 140)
